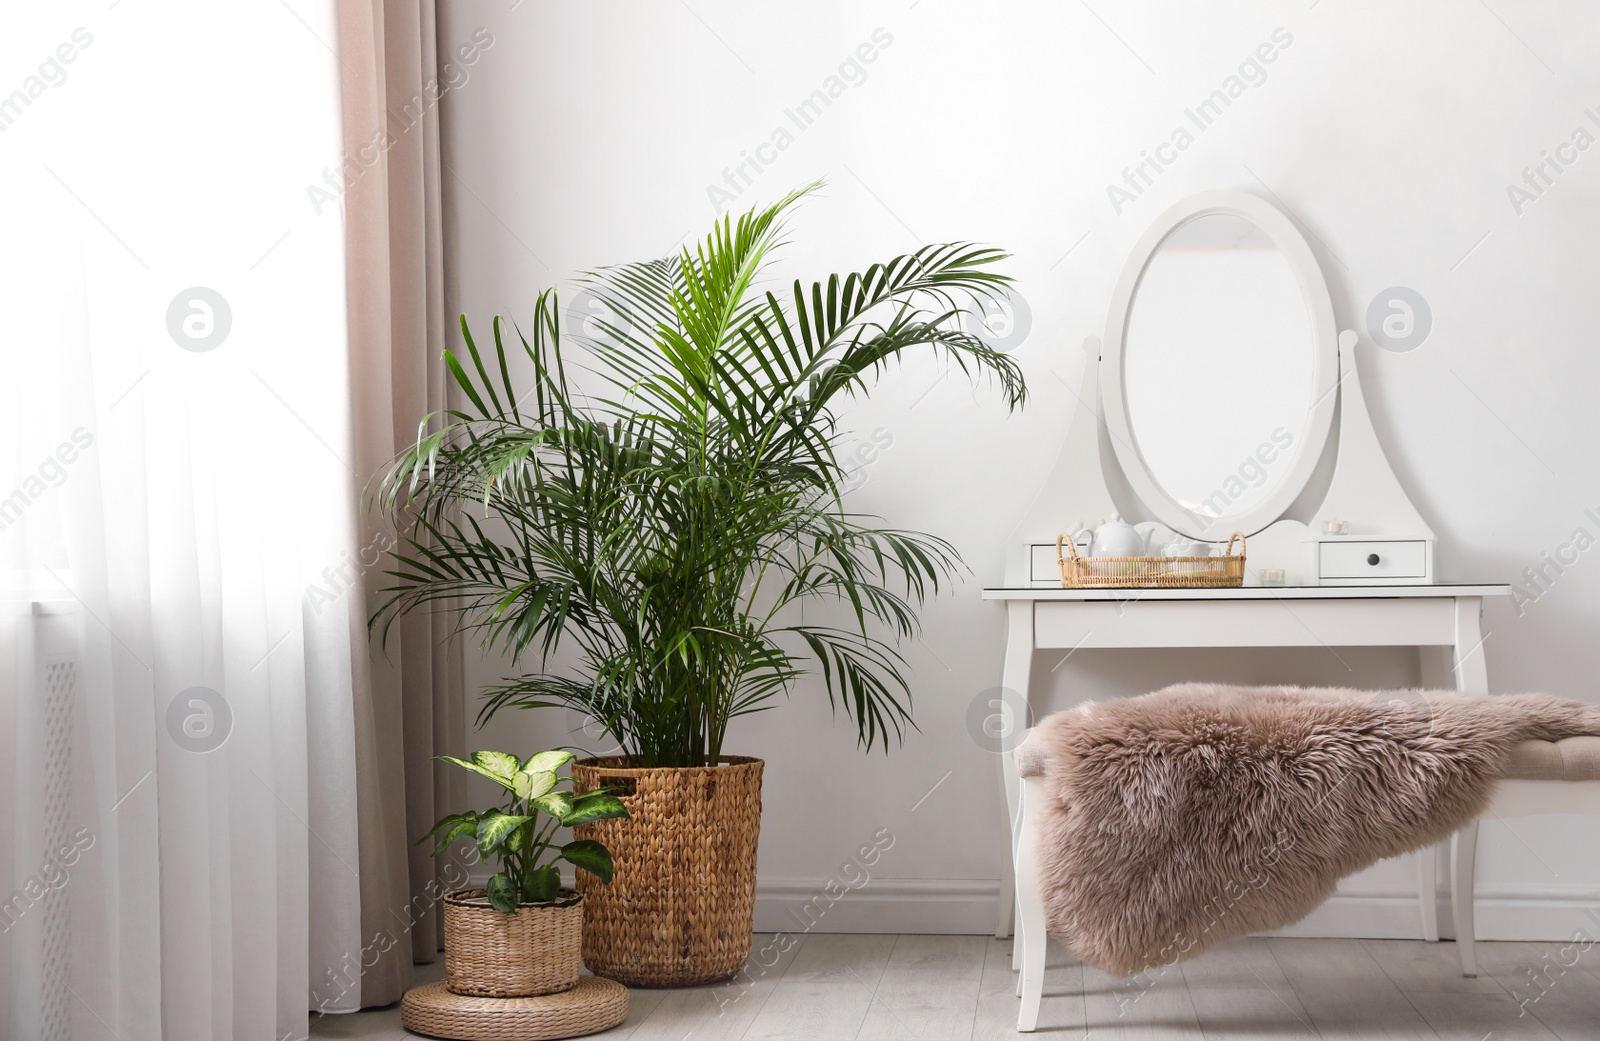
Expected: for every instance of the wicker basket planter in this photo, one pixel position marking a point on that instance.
(679, 909)
(490, 954)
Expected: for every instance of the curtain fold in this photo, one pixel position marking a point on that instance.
(395, 280)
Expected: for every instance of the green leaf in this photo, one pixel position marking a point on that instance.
(504, 782)
(547, 762)
(495, 827)
(462, 830)
(556, 804)
(593, 807)
(520, 838)
(532, 785)
(501, 764)
(448, 822)
(460, 376)
(541, 884)
(502, 894)
(589, 855)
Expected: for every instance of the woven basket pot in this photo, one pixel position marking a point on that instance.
(680, 906)
(491, 954)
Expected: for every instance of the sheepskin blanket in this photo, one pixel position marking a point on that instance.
(1202, 812)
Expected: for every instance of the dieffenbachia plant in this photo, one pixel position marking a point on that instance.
(521, 834)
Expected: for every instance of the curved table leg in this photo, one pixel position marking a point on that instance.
(1428, 891)
(1472, 675)
(1016, 677)
(1437, 669)
(1461, 882)
(1031, 934)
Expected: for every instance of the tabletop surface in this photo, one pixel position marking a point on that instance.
(1435, 590)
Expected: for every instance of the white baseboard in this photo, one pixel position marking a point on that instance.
(1530, 912)
(904, 905)
(880, 905)
(967, 906)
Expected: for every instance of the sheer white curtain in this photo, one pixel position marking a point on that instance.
(180, 589)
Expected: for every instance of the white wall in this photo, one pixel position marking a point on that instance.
(590, 133)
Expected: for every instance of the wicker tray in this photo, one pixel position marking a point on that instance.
(1150, 572)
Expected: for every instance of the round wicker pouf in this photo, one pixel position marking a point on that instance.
(594, 1004)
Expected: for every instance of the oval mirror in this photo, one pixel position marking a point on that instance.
(1220, 366)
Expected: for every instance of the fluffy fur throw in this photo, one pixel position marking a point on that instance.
(1203, 812)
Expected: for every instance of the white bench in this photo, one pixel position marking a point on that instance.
(1542, 777)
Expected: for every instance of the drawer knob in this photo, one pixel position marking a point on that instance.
(1372, 558)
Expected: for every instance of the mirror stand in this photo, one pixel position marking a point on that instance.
(1086, 485)
(1222, 284)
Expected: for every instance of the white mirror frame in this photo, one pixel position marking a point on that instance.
(1324, 366)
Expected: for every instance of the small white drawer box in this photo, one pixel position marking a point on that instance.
(1373, 561)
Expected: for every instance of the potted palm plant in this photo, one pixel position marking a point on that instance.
(666, 525)
(519, 936)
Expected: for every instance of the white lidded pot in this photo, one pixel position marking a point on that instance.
(1117, 538)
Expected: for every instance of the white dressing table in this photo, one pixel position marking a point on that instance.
(1224, 398)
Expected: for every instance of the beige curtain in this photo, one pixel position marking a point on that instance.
(413, 709)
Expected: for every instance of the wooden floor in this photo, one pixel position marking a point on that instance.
(943, 988)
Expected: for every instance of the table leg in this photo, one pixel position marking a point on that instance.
(1436, 674)
(1015, 677)
(1461, 884)
(1030, 921)
(1472, 676)
(1428, 891)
